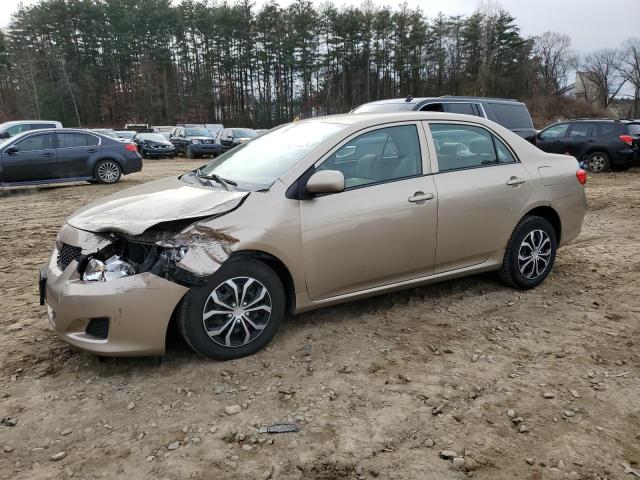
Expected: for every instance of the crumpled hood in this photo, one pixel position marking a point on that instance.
(134, 210)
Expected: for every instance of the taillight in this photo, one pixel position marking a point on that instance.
(628, 139)
(131, 147)
(581, 175)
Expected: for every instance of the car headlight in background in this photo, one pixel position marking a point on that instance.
(99, 271)
(195, 141)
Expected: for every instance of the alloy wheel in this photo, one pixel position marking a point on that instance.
(237, 311)
(534, 254)
(108, 172)
(597, 163)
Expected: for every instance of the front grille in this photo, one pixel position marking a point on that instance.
(98, 328)
(208, 142)
(67, 254)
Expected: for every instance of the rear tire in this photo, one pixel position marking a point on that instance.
(598, 162)
(530, 254)
(216, 319)
(107, 171)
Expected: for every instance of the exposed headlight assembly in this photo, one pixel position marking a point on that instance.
(99, 271)
(195, 141)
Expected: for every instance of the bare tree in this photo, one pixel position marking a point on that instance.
(553, 51)
(630, 69)
(603, 69)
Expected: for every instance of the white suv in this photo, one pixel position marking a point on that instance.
(9, 129)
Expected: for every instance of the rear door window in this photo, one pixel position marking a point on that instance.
(466, 146)
(73, 140)
(512, 115)
(38, 126)
(464, 108)
(36, 142)
(581, 130)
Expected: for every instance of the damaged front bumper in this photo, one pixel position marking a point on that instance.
(120, 317)
(123, 317)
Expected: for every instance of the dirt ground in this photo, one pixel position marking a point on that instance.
(378, 387)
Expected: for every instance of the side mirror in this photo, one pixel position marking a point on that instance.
(5, 134)
(12, 150)
(326, 181)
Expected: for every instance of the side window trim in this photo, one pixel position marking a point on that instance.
(435, 167)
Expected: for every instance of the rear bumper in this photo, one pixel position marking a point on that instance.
(623, 157)
(132, 165)
(136, 309)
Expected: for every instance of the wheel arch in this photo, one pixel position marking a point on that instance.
(280, 269)
(549, 214)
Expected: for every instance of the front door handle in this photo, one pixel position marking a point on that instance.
(48, 154)
(515, 181)
(421, 197)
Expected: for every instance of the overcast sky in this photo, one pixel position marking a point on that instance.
(591, 24)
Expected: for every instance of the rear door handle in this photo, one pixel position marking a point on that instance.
(92, 150)
(421, 197)
(514, 181)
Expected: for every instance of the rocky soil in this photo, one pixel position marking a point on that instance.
(461, 379)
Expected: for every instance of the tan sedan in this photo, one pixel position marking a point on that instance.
(310, 214)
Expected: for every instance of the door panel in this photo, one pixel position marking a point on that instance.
(74, 153)
(476, 212)
(368, 237)
(35, 160)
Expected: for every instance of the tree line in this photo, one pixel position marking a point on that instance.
(110, 62)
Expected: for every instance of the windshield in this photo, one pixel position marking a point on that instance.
(198, 132)
(154, 137)
(260, 162)
(244, 133)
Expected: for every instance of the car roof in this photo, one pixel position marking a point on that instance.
(415, 100)
(58, 130)
(17, 122)
(371, 119)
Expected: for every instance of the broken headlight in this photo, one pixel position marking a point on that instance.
(112, 268)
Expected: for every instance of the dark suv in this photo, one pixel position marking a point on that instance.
(511, 114)
(194, 142)
(600, 144)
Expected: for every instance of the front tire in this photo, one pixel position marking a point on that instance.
(530, 254)
(235, 313)
(598, 162)
(107, 171)
(190, 154)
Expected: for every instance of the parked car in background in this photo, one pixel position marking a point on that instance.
(153, 145)
(126, 134)
(214, 128)
(194, 142)
(600, 144)
(10, 129)
(138, 127)
(314, 213)
(509, 113)
(164, 130)
(65, 155)
(109, 132)
(260, 131)
(232, 137)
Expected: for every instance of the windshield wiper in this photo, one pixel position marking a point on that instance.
(212, 176)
